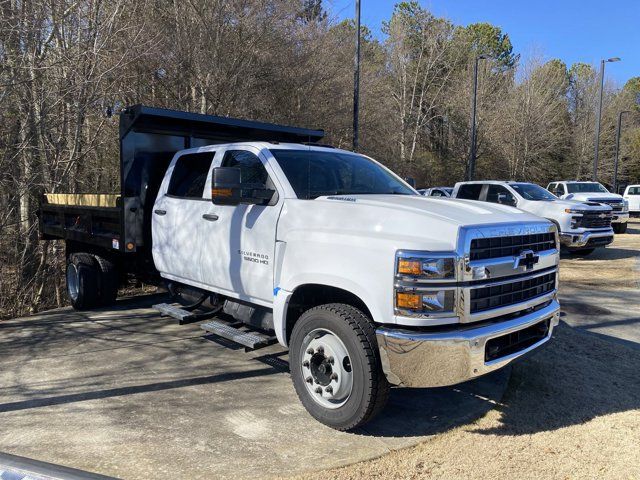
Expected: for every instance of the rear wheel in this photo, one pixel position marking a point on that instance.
(82, 281)
(107, 282)
(619, 227)
(335, 366)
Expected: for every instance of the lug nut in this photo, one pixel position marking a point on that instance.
(334, 376)
(329, 389)
(310, 351)
(305, 363)
(308, 380)
(319, 390)
(320, 349)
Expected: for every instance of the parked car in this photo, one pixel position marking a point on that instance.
(594, 192)
(436, 192)
(325, 251)
(583, 226)
(632, 196)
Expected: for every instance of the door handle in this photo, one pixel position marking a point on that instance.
(212, 217)
(160, 212)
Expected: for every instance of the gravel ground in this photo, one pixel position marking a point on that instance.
(571, 411)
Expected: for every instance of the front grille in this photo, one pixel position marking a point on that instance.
(503, 295)
(593, 220)
(617, 205)
(517, 341)
(496, 247)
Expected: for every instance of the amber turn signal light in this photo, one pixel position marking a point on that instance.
(411, 301)
(221, 192)
(410, 267)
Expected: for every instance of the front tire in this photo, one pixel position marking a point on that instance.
(619, 228)
(335, 366)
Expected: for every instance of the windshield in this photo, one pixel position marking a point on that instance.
(586, 188)
(530, 191)
(314, 173)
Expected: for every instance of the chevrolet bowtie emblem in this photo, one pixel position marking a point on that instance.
(526, 259)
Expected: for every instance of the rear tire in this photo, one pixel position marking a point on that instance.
(343, 393)
(107, 282)
(619, 228)
(82, 281)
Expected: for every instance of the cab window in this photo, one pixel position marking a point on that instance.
(252, 171)
(189, 175)
(470, 191)
(495, 192)
(634, 191)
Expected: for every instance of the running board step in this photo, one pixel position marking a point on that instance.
(183, 316)
(250, 340)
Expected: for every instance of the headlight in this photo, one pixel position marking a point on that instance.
(574, 210)
(414, 272)
(426, 266)
(625, 207)
(431, 301)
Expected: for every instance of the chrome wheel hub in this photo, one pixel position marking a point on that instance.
(326, 368)
(72, 281)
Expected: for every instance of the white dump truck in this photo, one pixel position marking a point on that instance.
(583, 226)
(270, 237)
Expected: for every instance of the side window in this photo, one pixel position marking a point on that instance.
(190, 174)
(251, 168)
(553, 188)
(494, 192)
(562, 190)
(470, 191)
(437, 193)
(634, 191)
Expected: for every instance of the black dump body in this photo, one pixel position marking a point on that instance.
(149, 138)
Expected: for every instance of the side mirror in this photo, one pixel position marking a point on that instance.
(505, 199)
(226, 186)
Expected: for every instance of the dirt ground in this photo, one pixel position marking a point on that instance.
(571, 411)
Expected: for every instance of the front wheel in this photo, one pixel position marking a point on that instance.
(619, 227)
(335, 366)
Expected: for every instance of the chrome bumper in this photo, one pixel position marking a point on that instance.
(578, 240)
(418, 359)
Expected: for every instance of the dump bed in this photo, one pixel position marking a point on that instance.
(149, 138)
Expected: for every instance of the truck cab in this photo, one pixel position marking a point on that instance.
(367, 283)
(597, 193)
(583, 226)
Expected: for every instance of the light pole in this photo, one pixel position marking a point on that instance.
(472, 151)
(599, 115)
(615, 162)
(356, 82)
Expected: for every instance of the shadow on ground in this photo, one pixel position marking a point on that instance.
(609, 253)
(578, 377)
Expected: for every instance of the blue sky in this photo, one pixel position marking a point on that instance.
(571, 30)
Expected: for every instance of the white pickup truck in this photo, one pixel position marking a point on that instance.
(583, 226)
(366, 282)
(594, 192)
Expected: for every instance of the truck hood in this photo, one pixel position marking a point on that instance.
(582, 205)
(399, 221)
(456, 211)
(597, 196)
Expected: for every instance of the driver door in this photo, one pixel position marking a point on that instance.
(239, 246)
